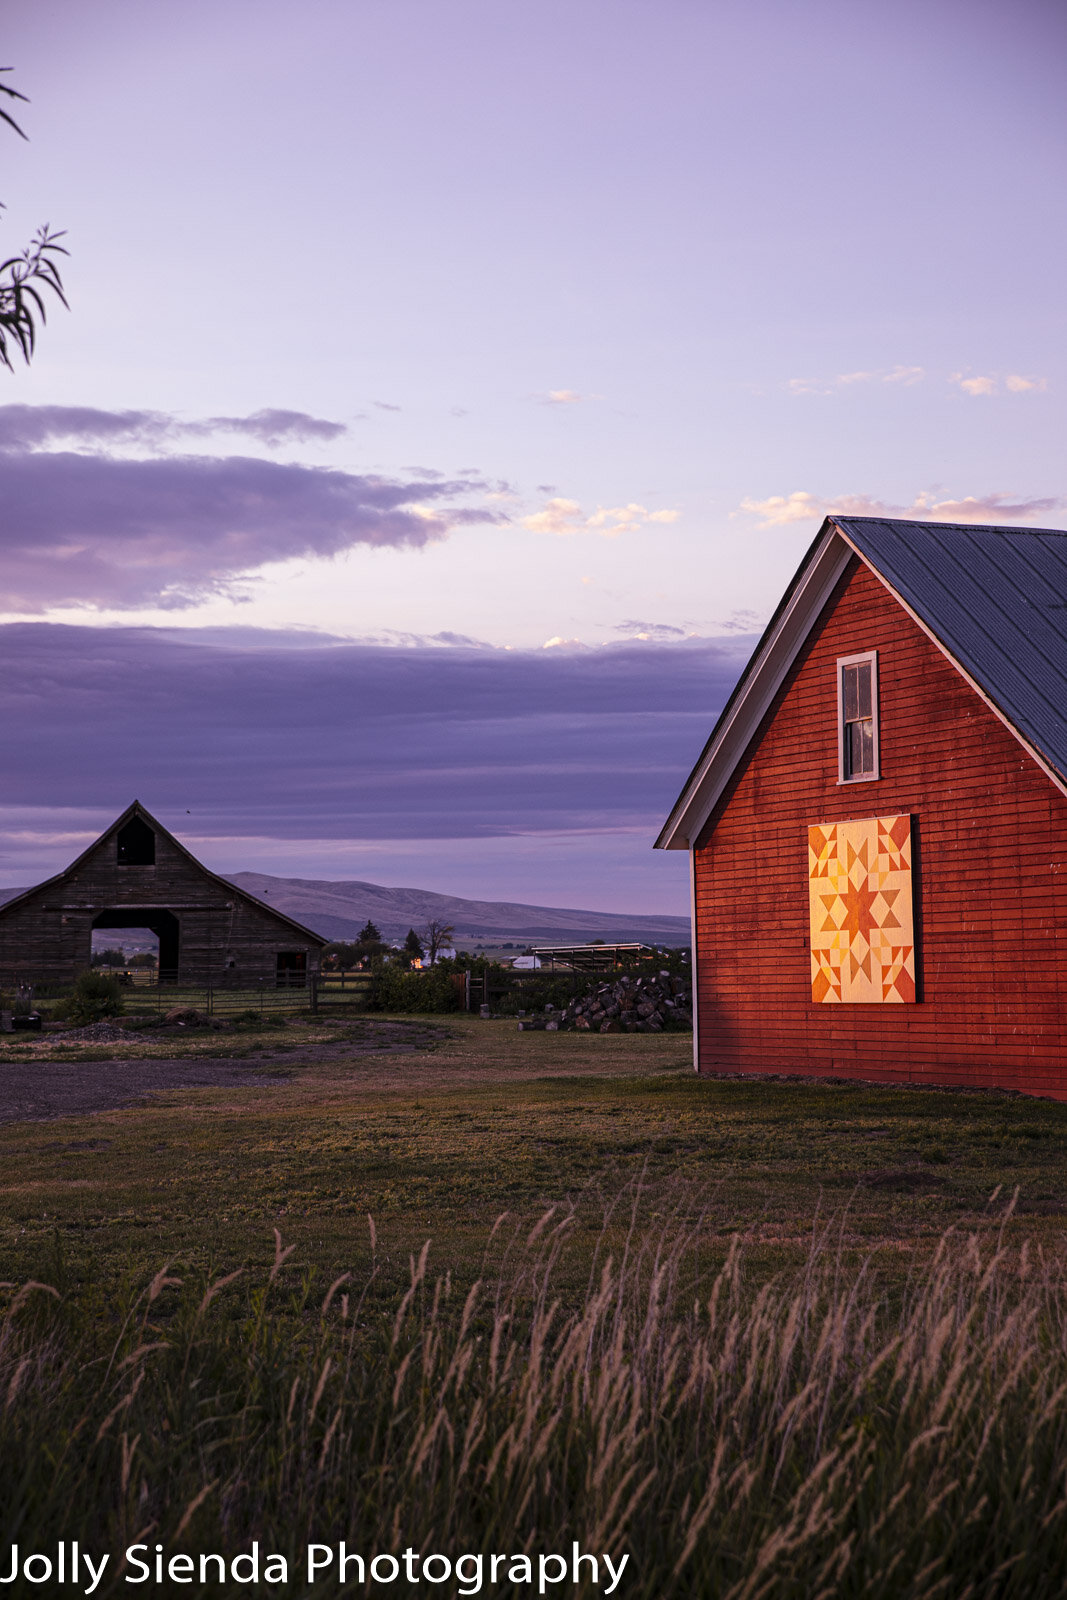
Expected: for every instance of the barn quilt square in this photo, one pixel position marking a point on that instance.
(862, 930)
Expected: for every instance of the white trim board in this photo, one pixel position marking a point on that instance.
(760, 682)
(766, 672)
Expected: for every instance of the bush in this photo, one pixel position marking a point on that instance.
(533, 991)
(394, 989)
(95, 996)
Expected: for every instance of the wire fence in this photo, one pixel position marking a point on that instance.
(228, 1000)
(162, 991)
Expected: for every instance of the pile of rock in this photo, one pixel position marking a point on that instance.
(632, 1005)
(103, 1032)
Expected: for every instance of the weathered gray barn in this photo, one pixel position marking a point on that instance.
(137, 875)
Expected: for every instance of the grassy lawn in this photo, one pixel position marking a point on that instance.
(739, 1354)
(438, 1143)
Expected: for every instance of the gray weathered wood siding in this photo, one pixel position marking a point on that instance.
(46, 935)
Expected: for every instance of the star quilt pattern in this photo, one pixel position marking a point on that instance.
(860, 900)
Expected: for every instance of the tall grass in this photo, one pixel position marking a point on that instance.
(816, 1435)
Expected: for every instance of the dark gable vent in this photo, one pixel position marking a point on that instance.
(136, 845)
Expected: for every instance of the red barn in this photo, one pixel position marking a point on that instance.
(877, 826)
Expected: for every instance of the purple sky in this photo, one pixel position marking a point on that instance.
(486, 338)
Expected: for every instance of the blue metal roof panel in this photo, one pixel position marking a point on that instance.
(996, 599)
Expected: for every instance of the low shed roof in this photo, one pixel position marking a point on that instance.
(993, 599)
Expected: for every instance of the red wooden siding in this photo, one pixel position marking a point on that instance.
(990, 836)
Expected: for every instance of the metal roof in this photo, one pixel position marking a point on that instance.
(996, 600)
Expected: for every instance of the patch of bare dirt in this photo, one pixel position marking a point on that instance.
(35, 1088)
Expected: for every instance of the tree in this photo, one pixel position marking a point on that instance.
(410, 951)
(369, 944)
(339, 956)
(23, 276)
(109, 958)
(437, 936)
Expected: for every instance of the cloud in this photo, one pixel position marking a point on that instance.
(975, 386)
(25, 427)
(278, 734)
(277, 427)
(905, 376)
(383, 405)
(1014, 383)
(563, 516)
(742, 620)
(661, 631)
(558, 516)
(103, 529)
(562, 397)
(800, 506)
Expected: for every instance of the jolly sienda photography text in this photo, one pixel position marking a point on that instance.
(547, 1573)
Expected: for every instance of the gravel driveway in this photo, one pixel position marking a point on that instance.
(36, 1090)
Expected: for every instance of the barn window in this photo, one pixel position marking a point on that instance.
(857, 717)
(292, 969)
(136, 845)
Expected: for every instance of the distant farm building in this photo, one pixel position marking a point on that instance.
(137, 875)
(877, 826)
(598, 957)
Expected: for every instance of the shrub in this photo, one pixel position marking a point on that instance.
(95, 996)
(394, 989)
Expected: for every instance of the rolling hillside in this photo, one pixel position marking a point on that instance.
(339, 910)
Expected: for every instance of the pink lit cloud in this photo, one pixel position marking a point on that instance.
(801, 506)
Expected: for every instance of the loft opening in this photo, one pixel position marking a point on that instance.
(136, 845)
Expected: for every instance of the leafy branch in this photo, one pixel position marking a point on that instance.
(23, 276)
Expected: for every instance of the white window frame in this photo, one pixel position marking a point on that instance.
(855, 661)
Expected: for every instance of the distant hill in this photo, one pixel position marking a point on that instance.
(339, 911)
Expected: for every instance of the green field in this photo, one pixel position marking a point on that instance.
(835, 1306)
(439, 1143)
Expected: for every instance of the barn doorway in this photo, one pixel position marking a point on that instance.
(292, 969)
(137, 922)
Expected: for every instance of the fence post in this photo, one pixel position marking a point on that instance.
(314, 982)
